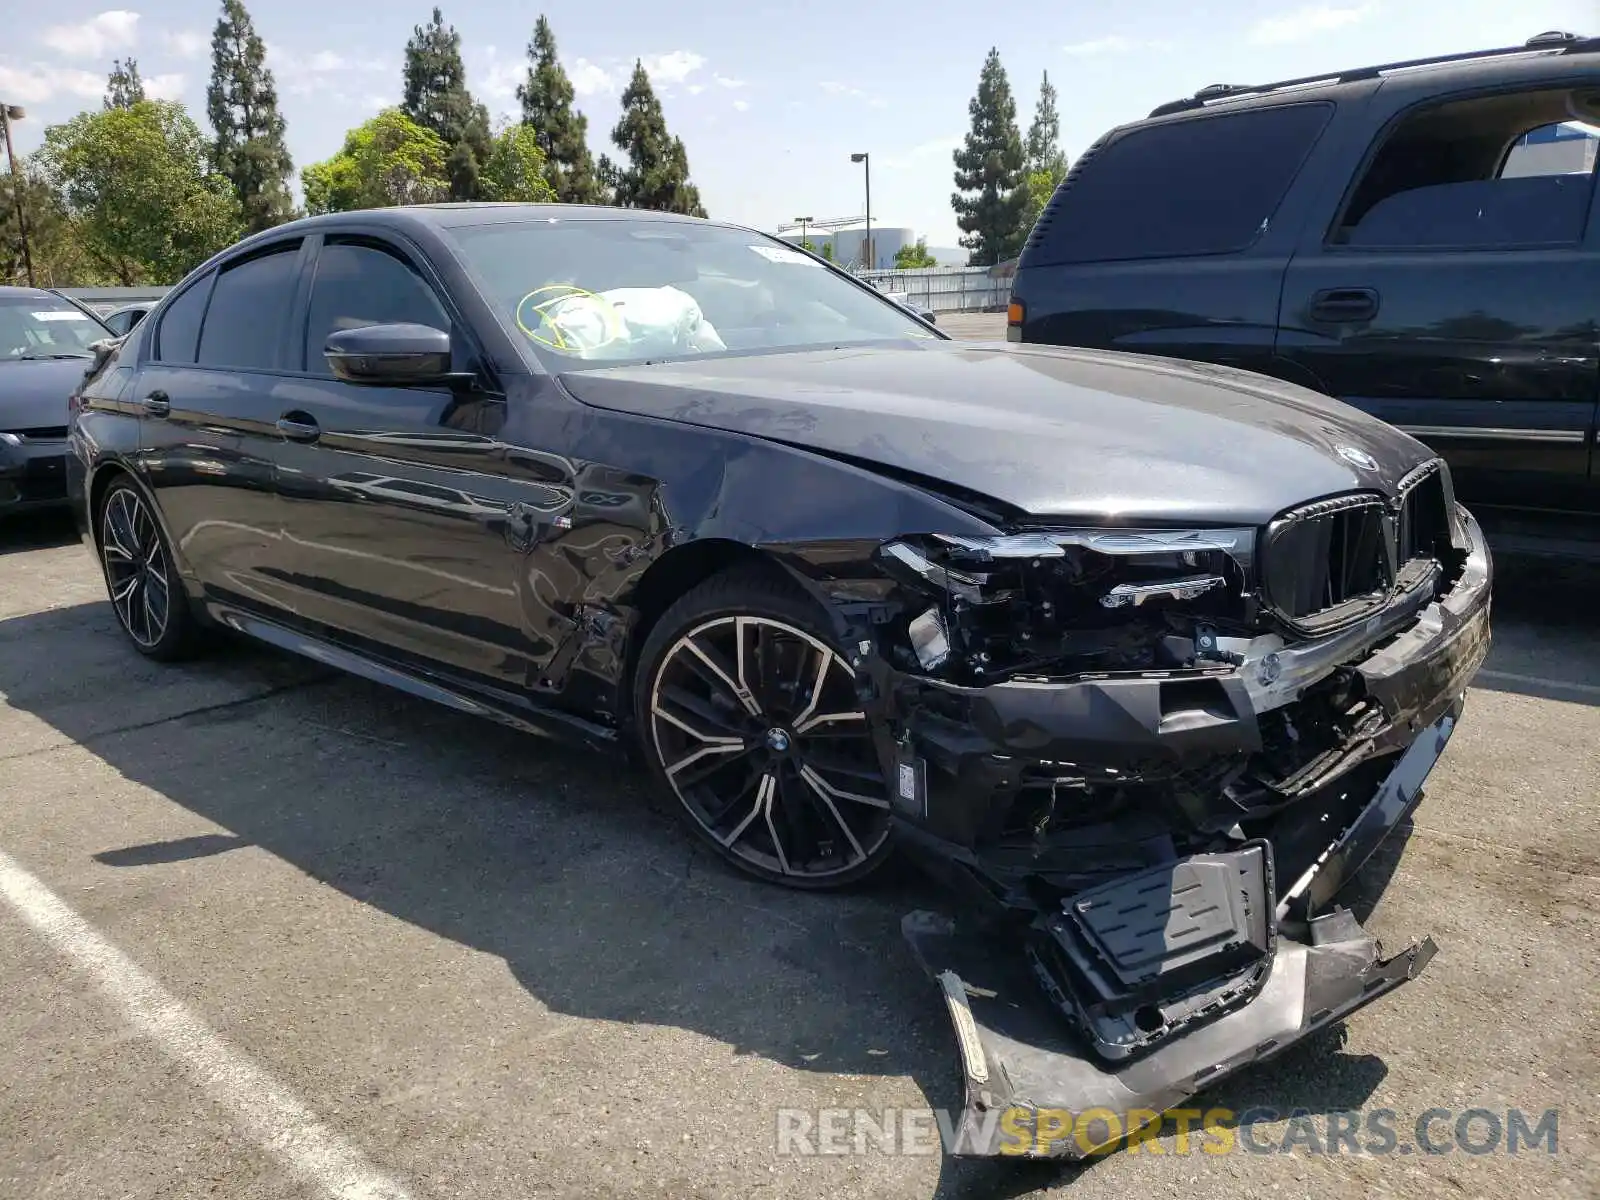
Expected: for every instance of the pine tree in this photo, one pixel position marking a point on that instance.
(991, 197)
(436, 97)
(1046, 166)
(1044, 135)
(562, 130)
(242, 102)
(657, 174)
(124, 88)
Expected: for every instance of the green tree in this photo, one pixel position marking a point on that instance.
(1047, 165)
(54, 244)
(991, 200)
(242, 102)
(124, 88)
(436, 97)
(389, 160)
(914, 257)
(136, 184)
(562, 131)
(827, 251)
(657, 174)
(516, 168)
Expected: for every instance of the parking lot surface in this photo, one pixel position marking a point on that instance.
(268, 931)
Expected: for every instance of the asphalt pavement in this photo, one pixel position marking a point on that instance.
(267, 931)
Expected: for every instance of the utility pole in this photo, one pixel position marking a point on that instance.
(802, 222)
(866, 165)
(8, 114)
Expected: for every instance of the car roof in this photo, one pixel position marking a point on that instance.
(434, 218)
(1441, 72)
(447, 216)
(32, 293)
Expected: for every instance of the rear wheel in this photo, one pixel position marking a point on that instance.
(748, 715)
(142, 577)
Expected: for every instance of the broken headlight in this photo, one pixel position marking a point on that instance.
(1069, 600)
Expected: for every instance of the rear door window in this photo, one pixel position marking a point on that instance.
(180, 323)
(1203, 185)
(245, 321)
(1503, 171)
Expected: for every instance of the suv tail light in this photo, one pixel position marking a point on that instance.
(1016, 313)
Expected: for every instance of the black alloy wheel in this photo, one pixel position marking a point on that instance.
(750, 717)
(141, 578)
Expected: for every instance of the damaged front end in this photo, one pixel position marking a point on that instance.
(1146, 761)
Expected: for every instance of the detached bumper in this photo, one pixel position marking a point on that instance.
(32, 472)
(1034, 1091)
(1083, 1026)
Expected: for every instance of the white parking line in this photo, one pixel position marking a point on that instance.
(278, 1122)
(1560, 685)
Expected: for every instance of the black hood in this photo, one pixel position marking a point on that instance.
(33, 392)
(1057, 432)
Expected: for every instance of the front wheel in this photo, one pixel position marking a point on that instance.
(749, 716)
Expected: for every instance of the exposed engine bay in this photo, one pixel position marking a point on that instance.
(1149, 760)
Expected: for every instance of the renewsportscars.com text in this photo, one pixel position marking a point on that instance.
(1373, 1132)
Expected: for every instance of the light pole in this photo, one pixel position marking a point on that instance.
(8, 114)
(803, 222)
(866, 165)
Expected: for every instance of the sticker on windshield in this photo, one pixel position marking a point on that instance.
(60, 314)
(783, 254)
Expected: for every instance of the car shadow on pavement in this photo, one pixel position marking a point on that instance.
(36, 531)
(552, 859)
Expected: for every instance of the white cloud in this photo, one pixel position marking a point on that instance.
(38, 83)
(185, 43)
(500, 78)
(1306, 23)
(741, 106)
(591, 79)
(164, 87)
(694, 89)
(1113, 43)
(834, 88)
(936, 148)
(725, 81)
(116, 29)
(672, 67)
(315, 74)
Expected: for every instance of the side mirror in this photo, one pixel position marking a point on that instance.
(395, 355)
(927, 315)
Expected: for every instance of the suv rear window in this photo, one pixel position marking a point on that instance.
(1203, 185)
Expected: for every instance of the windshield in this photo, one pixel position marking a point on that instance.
(46, 327)
(597, 293)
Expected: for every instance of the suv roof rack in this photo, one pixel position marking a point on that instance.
(1554, 41)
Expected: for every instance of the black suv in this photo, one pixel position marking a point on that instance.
(1415, 239)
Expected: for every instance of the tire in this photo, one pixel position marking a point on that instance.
(142, 577)
(776, 773)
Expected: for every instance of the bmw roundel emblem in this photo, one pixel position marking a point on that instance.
(1358, 458)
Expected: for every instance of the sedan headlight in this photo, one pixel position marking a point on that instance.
(1063, 599)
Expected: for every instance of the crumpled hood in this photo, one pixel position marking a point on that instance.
(1053, 431)
(33, 393)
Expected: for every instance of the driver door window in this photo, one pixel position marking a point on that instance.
(359, 284)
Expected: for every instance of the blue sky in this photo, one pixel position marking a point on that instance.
(770, 99)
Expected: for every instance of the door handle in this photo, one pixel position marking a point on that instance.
(1341, 305)
(299, 427)
(157, 404)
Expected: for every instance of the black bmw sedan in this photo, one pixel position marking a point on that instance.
(1142, 658)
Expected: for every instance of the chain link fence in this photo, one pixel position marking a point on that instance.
(947, 289)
